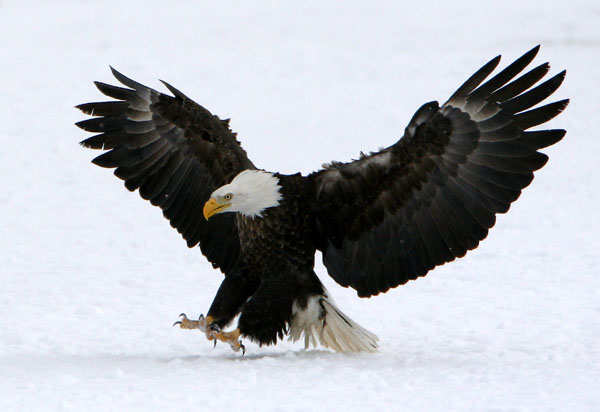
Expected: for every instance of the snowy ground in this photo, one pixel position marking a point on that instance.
(92, 277)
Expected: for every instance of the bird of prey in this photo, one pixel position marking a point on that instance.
(381, 220)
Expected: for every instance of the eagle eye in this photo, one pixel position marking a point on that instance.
(228, 196)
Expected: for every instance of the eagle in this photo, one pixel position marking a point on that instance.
(381, 220)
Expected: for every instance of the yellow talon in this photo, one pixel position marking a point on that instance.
(234, 335)
(202, 323)
(232, 338)
(212, 332)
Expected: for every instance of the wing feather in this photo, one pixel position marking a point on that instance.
(394, 215)
(175, 152)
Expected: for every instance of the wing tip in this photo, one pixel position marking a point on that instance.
(534, 50)
(103, 161)
(561, 105)
(84, 108)
(175, 91)
(82, 124)
(560, 78)
(86, 144)
(560, 133)
(138, 87)
(117, 74)
(105, 88)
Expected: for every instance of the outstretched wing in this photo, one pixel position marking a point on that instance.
(176, 153)
(396, 214)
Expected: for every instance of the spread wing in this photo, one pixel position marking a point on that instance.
(175, 153)
(396, 214)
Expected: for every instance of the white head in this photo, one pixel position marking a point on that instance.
(249, 193)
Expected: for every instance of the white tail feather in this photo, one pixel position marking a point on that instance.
(321, 321)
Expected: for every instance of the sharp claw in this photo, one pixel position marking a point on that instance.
(212, 331)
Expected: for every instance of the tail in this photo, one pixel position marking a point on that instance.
(321, 321)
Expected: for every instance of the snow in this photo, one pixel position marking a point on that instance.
(92, 277)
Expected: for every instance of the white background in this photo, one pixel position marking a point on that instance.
(92, 277)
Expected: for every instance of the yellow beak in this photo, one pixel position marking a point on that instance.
(212, 207)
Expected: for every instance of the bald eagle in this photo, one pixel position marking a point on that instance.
(379, 221)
